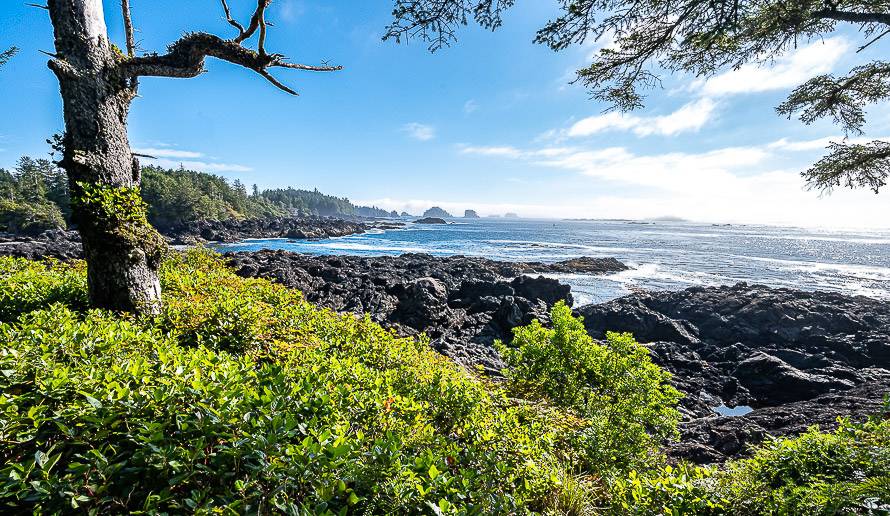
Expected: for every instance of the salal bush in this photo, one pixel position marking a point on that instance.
(243, 398)
(624, 404)
(30, 285)
(846, 471)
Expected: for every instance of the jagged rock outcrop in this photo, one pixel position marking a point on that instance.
(232, 230)
(58, 244)
(464, 304)
(797, 358)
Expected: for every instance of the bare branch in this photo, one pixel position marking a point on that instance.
(852, 17)
(255, 21)
(232, 21)
(185, 58)
(128, 28)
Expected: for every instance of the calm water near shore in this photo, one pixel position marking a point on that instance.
(664, 255)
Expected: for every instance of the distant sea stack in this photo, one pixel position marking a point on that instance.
(511, 216)
(437, 212)
(471, 214)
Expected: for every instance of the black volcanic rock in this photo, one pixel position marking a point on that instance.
(471, 214)
(58, 244)
(783, 352)
(65, 245)
(463, 303)
(430, 220)
(232, 230)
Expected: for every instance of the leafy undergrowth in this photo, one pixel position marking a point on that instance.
(243, 398)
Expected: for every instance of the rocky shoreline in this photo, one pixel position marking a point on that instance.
(792, 358)
(65, 245)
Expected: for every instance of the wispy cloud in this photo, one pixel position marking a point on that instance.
(168, 156)
(418, 131)
(738, 184)
(201, 166)
(786, 72)
(690, 117)
(470, 107)
(168, 153)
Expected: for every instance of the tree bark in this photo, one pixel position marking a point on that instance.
(123, 252)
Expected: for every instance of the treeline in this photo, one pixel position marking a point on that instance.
(34, 197)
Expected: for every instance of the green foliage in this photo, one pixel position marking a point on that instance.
(112, 206)
(843, 472)
(625, 402)
(321, 413)
(305, 202)
(29, 218)
(240, 397)
(33, 197)
(180, 196)
(673, 490)
(26, 286)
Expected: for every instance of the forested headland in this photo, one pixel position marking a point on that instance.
(34, 197)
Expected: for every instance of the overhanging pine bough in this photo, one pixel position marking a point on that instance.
(700, 37)
(98, 83)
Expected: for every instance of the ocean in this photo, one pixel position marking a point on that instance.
(663, 255)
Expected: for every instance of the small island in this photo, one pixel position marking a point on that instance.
(437, 212)
(471, 214)
(430, 220)
(511, 215)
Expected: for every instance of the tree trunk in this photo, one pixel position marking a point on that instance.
(122, 250)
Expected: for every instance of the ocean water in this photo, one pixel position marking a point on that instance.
(663, 255)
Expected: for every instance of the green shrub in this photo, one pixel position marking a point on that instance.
(29, 218)
(29, 285)
(625, 404)
(842, 472)
(674, 490)
(322, 413)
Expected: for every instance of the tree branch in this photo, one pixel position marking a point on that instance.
(255, 21)
(853, 166)
(185, 58)
(852, 17)
(128, 27)
(232, 21)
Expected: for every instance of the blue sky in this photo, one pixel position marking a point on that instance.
(490, 123)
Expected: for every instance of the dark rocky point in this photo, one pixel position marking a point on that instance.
(797, 358)
(464, 304)
(430, 220)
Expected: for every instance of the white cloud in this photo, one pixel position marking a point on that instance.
(819, 143)
(168, 153)
(421, 132)
(746, 184)
(201, 166)
(507, 151)
(690, 117)
(470, 106)
(786, 72)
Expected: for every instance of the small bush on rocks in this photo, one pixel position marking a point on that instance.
(624, 403)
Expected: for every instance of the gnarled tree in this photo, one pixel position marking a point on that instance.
(98, 82)
(701, 37)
